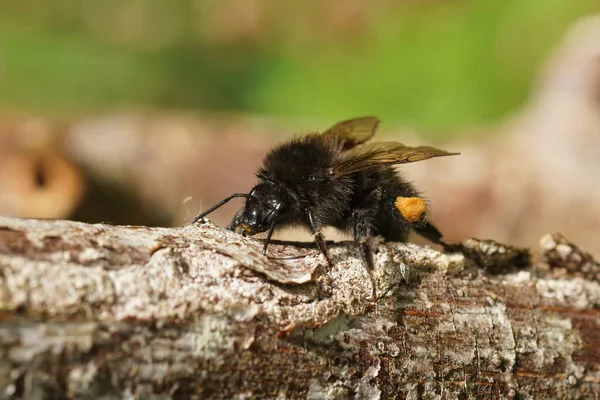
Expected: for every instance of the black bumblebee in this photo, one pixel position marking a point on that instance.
(337, 179)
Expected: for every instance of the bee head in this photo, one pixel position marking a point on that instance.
(265, 203)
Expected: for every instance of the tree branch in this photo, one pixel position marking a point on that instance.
(97, 310)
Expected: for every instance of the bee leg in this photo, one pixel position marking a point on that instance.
(367, 256)
(237, 220)
(362, 234)
(319, 238)
(322, 246)
(429, 232)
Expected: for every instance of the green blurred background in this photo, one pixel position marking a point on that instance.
(433, 65)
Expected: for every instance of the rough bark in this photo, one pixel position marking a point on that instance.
(99, 311)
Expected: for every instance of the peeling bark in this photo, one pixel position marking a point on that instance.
(99, 311)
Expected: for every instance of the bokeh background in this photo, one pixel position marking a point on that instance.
(146, 111)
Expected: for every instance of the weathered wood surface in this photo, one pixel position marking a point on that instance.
(99, 311)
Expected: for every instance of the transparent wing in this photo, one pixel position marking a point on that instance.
(379, 154)
(353, 131)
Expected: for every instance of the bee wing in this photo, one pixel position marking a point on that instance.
(379, 154)
(353, 131)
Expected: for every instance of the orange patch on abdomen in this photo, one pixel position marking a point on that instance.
(413, 209)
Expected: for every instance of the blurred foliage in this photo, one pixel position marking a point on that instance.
(431, 64)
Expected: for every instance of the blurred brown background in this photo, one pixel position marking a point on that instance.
(146, 112)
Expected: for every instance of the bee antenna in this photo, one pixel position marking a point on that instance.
(219, 204)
